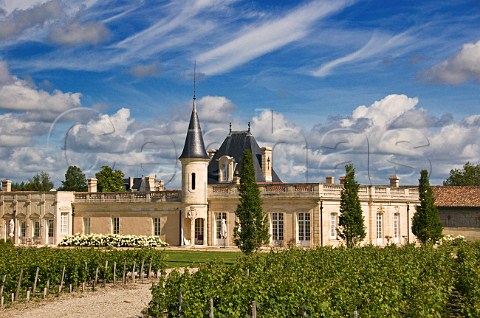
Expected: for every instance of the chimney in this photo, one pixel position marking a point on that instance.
(92, 184)
(330, 180)
(211, 153)
(394, 181)
(342, 179)
(7, 185)
(267, 163)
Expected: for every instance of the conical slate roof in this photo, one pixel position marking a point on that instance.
(194, 146)
(234, 146)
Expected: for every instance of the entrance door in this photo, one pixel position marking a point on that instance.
(199, 231)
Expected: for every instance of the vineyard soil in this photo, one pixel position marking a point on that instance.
(118, 302)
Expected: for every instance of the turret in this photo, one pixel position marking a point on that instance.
(194, 159)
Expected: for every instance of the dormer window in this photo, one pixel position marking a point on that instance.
(226, 165)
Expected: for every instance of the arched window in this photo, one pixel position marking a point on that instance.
(193, 181)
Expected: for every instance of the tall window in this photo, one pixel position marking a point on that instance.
(156, 226)
(304, 226)
(396, 227)
(277, 227)
(50, 228)
(219, 216)
(36, 229)
(87, 226)
(23, 229)
(333, 225)
(193, 180)
(64, 223)
(379, 226)
(116, 225)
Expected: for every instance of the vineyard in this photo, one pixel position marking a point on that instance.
(326, 282)
(38, 272)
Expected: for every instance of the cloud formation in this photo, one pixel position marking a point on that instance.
(19, 95)
(267, 37)
(377, 45)
(463, 66)
(77, 34)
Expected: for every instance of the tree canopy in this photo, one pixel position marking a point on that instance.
(74, 180)
(109, 180)
(351, 220)
(39, 182)
(426, 223)
(251, 231)
(469, 175)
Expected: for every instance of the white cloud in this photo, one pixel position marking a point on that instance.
(29, 15)
(463, 66)
(76, 33)
(215, 109)
(377, 45)
(271, 35)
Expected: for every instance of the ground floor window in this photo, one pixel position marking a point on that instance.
(156, 226)
(333, 225)
(396, 227)
(36, 229)
(379, 226)
(23, 229)
(87, 226)
(199, 231)
(116, 225)
(50, 231)
(64, 223)
(277, 227)
(219, 216)
(304, 226)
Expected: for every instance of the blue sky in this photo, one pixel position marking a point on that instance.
(390, 86)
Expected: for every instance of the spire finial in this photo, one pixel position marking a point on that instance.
(194, 86)
(230, 127)
(248, 126)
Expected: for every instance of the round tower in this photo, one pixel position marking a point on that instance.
(194, 159)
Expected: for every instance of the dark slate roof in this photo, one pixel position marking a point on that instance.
(456, 196)
(137, 183)
(194, 146)
(234, 146)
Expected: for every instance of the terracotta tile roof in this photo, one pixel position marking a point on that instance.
(456, 196)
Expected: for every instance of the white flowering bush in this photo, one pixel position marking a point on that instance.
(112, 240)
(452, 240)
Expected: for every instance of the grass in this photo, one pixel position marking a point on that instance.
(176, 258)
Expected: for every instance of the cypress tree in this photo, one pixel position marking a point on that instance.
(251, 231)
(426, 223)
(351, 220)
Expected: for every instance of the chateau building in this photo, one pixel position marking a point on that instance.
(203, 211)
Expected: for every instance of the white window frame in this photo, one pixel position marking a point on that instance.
(278, 219)
(396, 227)
(64, 223)
(304, 222)
(333, 225)
(379, 228)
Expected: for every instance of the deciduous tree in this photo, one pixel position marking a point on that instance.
(109, 180)
(426, 223)
(351, 221)
(39, 182)
(251, 232)
(74, 180)
(469, 175)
